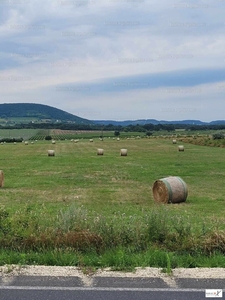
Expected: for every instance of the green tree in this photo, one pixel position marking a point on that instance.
(48, 138)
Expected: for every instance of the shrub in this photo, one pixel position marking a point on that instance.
(218, 136)
(48, 138)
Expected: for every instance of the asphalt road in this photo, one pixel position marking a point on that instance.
(99, 293)
(21, 287)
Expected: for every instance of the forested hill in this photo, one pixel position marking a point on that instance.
(38, 112)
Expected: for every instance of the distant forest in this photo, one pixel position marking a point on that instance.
(129, 128)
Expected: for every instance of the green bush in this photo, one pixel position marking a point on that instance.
(48, 138)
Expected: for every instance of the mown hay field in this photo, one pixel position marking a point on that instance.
(109, 183)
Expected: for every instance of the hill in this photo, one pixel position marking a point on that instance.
(36, 113)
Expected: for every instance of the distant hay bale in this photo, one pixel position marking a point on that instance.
(1, 178)
(2, 143)
(100, 151)
(32, 143)
(171, 189)
(123, 152)
(53, 141)
(91, 140)
(51, 152)
(180, 148)
(174, 141)
(14, 143)
(118, 139)
(76, 141)
(26, 143)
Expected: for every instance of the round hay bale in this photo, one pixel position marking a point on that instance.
(118, 139)
(174, 141)
(1, 178)
(123, 152)
(100, 151)
(26, 143)
(53, 142)
(91, 140)
(171, 189)
(51, 152)
(180, 148)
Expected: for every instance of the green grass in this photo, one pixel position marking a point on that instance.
(18, 133)
(78, 208)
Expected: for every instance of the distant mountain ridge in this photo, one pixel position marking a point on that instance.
(156, 122)
(42, 113)
(38, 111)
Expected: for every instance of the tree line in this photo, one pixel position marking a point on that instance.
(110, 127)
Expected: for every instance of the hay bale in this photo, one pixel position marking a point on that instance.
(51, 152)
(123, 152)
(180, 148)
(100, 151)
(91, 140)
(1, 178)
(26, 143)
(174, 141)
(53, 141)
(118, 139)
(171, 189)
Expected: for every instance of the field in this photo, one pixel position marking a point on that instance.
(80, 208)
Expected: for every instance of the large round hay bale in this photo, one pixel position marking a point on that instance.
(100, 151)
(91, 140)
(26, 143)
(171, 189)
(53, 141)
(181, 148)
(174, 141)
(51, 152)
(1, 178)
(123, 152)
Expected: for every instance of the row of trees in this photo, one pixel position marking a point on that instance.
(111, 127)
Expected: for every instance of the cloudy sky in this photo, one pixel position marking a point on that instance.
(115, 59)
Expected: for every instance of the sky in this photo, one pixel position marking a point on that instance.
(115, 59)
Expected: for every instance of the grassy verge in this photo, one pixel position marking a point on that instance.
(78, 237)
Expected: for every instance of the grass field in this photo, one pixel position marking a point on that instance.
(102, 207)
(18, 133)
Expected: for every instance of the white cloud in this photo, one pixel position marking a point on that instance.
(46, 44)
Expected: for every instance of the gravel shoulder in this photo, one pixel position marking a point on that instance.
(200, 273)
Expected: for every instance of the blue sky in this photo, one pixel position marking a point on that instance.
(115, 59)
